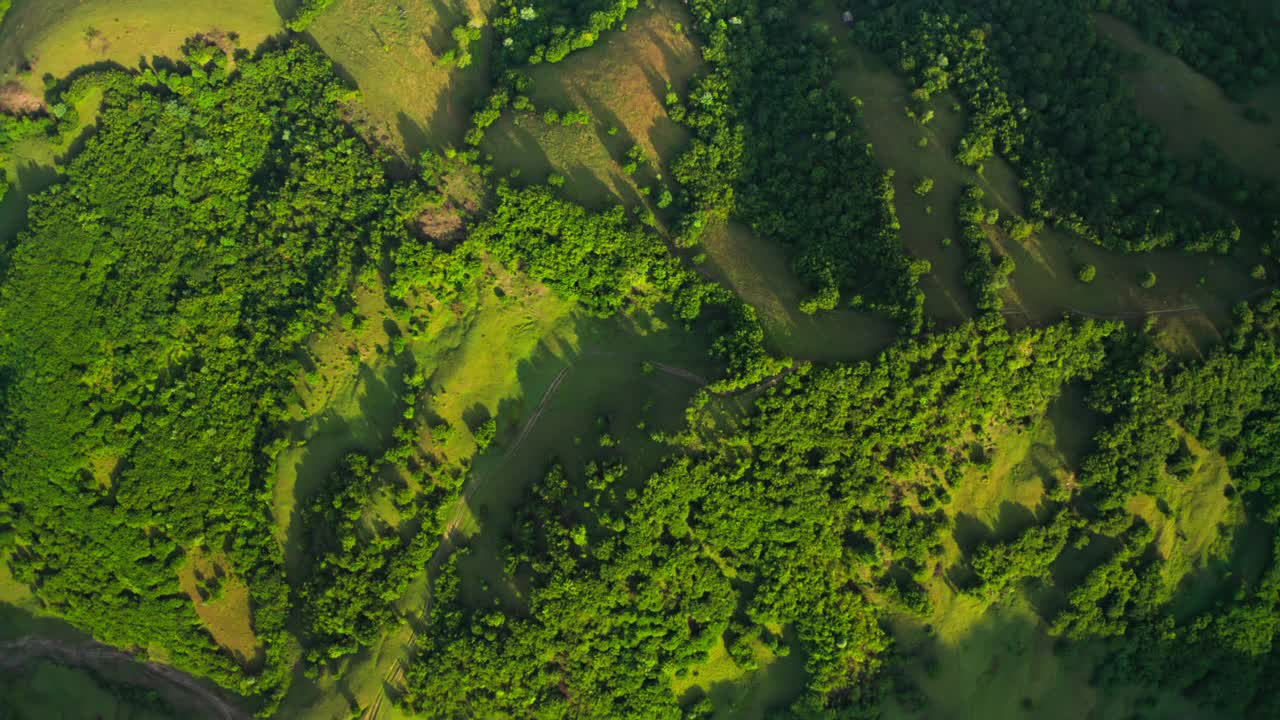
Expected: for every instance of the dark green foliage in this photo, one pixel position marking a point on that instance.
(740, 532)
(1100, 606)
(609, 265)
(599, 259)
(776, 147)
(1001, 566)
(1223, 657)
(306, 13)
(150, 311)
(357, 567)
(983, 274)
(460, 56)
(1041, 91)
(486, 433)
(529, 32)
(1233, 41)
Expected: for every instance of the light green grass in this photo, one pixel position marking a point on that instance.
(13, 592)
(228, 616)
(59, 36)
(1195, 523)
(474, 365)
(389, 49)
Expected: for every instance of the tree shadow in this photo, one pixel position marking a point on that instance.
(438, 37)
(328, 437)
(514, 147)
(758, 693)
(287, 8)
(32, 179)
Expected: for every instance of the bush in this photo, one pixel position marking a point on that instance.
(924, 186)
(1148, 280)
(1086, 273)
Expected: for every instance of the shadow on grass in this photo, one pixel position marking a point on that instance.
(329, 436)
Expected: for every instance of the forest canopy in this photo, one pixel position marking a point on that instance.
(332, 425)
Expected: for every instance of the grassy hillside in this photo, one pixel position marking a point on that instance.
(486, 358)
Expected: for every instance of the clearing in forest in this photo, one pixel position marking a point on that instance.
(914, 148)
(621, 82)
(1196, 518)
(57, 37)
(758, 271)
(392, 51)
(221, 600)
(998, 660)
(1192, 109)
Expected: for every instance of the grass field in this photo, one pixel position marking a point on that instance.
(1192, 109)
(1192, 300)
(621, 81)
(46, 690)
(58, 36)
(1196, 523)
(389, 49)
(971, 658)
(222, 601)
(895, 138)
(758, 271)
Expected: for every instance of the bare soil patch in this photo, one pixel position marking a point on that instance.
(17, 100)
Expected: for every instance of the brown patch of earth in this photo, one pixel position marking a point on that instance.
(17, 100)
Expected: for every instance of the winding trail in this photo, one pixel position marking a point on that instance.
(89, 654)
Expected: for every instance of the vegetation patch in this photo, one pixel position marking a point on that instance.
(409, 100)
(222, 602)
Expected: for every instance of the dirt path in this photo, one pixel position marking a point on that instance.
(91, 655)
(681, 373)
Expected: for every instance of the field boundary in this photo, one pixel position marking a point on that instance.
(15, 653)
